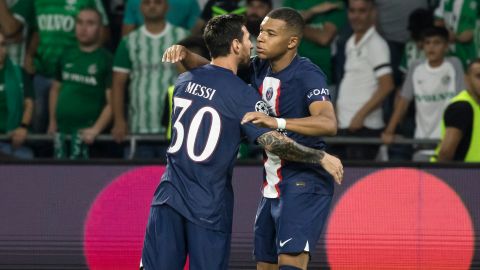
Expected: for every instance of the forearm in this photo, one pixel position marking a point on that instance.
(465, 37)
(193, 60)
(288, 149)
(118, 95)
(307, 14)
(27, 111)
(317, 35)
(375, 101)
(313, 125)
(9, 25)
(399, 112)
(104, 119)
(52, 101)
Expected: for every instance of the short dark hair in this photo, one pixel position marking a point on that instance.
(221, 31)
(268, 2)
(418, 21)
(371, 2)
(291, 17)
(94, 10)
(435, 31)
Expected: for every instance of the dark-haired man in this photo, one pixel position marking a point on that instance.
(296, 197)
(80, 96)
(192, 207)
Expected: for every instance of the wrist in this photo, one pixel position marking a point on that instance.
(24, 125)
(281, 123)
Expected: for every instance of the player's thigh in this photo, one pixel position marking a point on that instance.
(265, 248)
(302, 217)
(164, 246)
(207, 249)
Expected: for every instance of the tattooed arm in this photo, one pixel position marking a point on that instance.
(288, 149)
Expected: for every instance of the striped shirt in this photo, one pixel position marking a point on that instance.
(24, 12)
(140, 55)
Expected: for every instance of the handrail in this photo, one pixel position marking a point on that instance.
(162, 139)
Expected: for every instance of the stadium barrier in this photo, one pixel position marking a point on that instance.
(92, 215)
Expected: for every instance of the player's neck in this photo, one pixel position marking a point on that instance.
(226, 62)
(472, 93)
(155, 27)
(283, 61)
(435, 63)
(89, 48)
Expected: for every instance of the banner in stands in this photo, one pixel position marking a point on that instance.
(61, 216)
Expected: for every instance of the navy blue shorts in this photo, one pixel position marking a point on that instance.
(170, 237)
(290, 224)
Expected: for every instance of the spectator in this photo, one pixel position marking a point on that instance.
(432, 82)
(460, 18)
(55, 21)
(418, 21)
(182, 13)
(217, 7)
(256, 12)
(138, 58)
(79, 98)
(324, 18)
(367, 80)
(461, 122)
(16, 22)
(16, 105)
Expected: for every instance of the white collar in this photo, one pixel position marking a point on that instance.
(365, 37)
(165, 30)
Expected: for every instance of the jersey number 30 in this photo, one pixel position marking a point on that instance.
(192, 131)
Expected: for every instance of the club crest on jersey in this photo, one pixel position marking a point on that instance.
(261, 106)
(92, 69)
(269, 93)
(70, 4)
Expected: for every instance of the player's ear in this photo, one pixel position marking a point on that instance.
(294, 42)
(236, 45)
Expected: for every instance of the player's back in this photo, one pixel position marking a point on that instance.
(209, 103)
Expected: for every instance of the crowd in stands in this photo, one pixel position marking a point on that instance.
(76, 69)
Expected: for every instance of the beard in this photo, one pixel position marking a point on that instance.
(253, 25)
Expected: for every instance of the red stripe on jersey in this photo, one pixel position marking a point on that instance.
(280, 177)
(277, 100)
(260, 89)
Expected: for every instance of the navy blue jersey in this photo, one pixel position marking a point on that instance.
(209, 103)
(289, 94)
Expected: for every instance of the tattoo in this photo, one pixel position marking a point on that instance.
(288, 149)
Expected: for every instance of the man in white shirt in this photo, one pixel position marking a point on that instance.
(366, 83)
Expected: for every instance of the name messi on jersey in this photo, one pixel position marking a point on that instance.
(200, 90)
(90, 80)
(56, 22)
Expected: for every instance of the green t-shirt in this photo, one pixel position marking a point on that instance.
(140, 55)
(55, 23)
(319, 55)
(460, 16)
(24, 11)
(3, 103)
(410, 55)
(84, 78)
